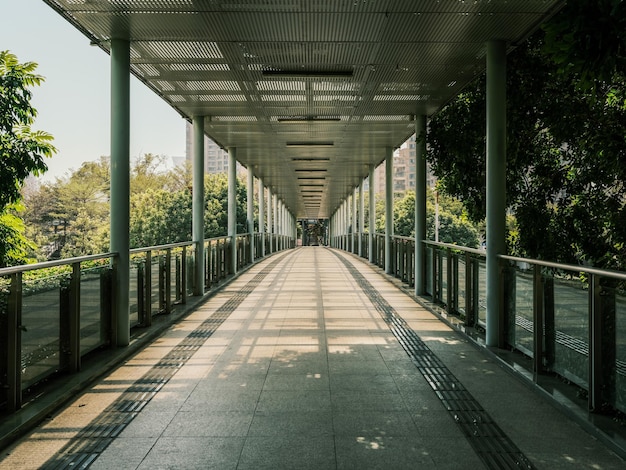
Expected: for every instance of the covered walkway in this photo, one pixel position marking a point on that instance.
(310, 359)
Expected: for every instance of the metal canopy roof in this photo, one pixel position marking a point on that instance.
(309, 92)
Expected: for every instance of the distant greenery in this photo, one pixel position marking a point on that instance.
(454, 224)
(70, 216)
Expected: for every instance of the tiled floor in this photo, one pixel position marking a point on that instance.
(306, 374)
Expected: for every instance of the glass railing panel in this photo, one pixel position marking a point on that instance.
(462, 288)
(620, 350)
(137, 264)
(521, 335)
(93, 317)
(158, 262)
(176, 277)
(191, 270)
(429, 269)
(571, 321)
(41, 304)
(482, 291)
(443, 273)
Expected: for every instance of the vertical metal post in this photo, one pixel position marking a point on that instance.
(355, 227)
(74, 317)
(449, 281)
(496, 184)
(595, 344)
(183, 275)
(388, 209)
(14, 344)
(361, 216)
(148, 290)
(232, 208)
(270, 224)
(420, 204)
(537, 322)
(197, 208)
(250, 211)
(168, 281)
(468, 291)
(120, 182)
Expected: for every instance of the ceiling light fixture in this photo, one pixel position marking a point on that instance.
(310, 159)
(307, 119)
(310, 144)
(308, 73)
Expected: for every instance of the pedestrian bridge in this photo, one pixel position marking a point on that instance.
(246, 352)
(310, 358)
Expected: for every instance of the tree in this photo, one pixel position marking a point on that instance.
(159, 217)
(22, 151)
(454, 225)
(15, 248)
(565, 177)
(164, 216)
(587, 39)
(70, 217)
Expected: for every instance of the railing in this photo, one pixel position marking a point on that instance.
(455, 277)
(53, 314)
(160, 276)
(569, 320)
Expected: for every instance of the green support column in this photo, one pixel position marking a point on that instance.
(281, 224)
(346, 223)
(354, 222)
(388, 208)
(270, 225)
(232, 207)
(420, 203)
(250, 211)
(372, 217)
(262, 216)
(120, 183)
(361, 217)
(275, 219)
(496, 183)
(197, 207)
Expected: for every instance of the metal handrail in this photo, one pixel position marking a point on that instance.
(51, 264)
(568, 267)
(452, 246)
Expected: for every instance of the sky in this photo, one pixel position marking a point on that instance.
(73, 103)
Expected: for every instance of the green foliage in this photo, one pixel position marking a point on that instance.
(565, 145)
(15, 248)
(454, 225)
(587, 39)
(22, 150)
(70, 217)
(159, 217)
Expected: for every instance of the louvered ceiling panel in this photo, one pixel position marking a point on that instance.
(274, 77)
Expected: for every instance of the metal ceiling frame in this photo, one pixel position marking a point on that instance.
(309, 92)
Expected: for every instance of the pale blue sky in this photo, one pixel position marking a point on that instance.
(73, 102)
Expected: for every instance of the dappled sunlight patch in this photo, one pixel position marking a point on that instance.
(351, 340)
(441, 339)
(372, 444)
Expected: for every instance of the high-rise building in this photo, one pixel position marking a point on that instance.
(215, 158)
(403, 170)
